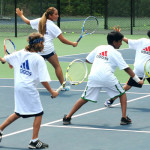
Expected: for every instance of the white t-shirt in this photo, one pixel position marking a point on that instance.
(29, 70)
(142, 47)
(52, 32)
(105, 59)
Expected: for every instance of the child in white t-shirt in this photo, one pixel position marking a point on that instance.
(142, 48)
(30, 69)
(104, 61)
(50, 30)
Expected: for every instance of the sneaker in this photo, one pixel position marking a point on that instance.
(66, 121)
(37, 145)
(1, 136)
(125, 121)
(108, 103)
(66, 88)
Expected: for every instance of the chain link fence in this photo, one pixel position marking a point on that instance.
(131, 15)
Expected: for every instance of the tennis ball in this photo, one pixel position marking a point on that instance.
(72, 32)
(65, 32)
(144, 25)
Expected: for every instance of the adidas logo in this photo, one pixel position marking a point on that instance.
(102, 55)
(146, 50)
(24, 68)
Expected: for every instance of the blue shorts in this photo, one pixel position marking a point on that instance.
(48, 55)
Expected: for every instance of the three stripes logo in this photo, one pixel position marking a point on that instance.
(146, 50)
(24, 68)
(102, 55)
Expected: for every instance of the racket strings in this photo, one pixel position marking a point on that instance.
(147, 68)
(90, 25)
(77, 73)
(9, 47)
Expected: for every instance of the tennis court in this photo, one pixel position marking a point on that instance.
(94, 127)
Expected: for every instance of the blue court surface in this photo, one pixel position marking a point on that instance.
(94, 127)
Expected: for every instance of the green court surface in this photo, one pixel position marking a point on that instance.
(86, 44)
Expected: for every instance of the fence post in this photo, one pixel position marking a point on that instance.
(15, 19)
(131, 17)
(58, 8)
(91, 7)
(106, 15)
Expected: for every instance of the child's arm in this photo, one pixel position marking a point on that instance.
(20, 14)
(47, 86)
(2, 60)
(133, 75)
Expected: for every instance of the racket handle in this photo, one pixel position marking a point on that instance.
(79, 39)
(58, 90)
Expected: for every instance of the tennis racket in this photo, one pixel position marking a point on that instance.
(147, 69)
(90, 25)
(76, 73)
(9, 48)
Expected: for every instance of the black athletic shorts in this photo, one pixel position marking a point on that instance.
(49, 55)
(131, 82)
(32, 115)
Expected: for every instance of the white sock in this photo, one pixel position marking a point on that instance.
(34, 140)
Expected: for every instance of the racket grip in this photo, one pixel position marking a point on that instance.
(58, 90)
(79, 39)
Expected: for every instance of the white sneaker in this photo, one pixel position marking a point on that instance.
(107, 103)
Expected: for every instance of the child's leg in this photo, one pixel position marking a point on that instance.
(8, 121)
(123, 101)
(36, 126)
(77, 105)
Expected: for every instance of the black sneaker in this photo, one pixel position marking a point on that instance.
(125, 121)
(1, 136)
(37, 145)
(66, 121)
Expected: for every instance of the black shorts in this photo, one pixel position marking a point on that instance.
(27, 116)
(48, 55)
(131, 82)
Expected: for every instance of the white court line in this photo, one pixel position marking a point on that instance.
(102, 129)
(74, 90)
(82, 114)
(73, 55)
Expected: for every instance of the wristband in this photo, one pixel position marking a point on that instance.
(136, 79)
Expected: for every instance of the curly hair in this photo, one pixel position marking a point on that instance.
(35, 41)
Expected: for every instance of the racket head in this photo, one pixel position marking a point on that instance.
(76, 72)
(90, 25)
(147, 68)
(9, 46)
